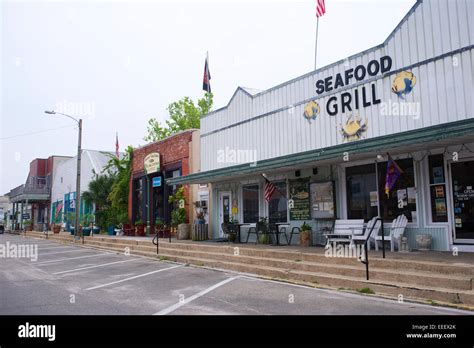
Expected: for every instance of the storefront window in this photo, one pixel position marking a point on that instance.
(278, 206)
(250, 203)
(402, 196)
(366, 193)
(439, 212)
(362, 199)
(158, 202)
(137, 199)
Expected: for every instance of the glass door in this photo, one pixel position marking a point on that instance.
(463, 201)
(224, 209)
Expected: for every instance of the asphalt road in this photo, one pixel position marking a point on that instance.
(72, 280)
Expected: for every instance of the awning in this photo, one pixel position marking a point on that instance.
(440, 136)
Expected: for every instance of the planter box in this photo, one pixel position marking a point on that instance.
(140, 230)
(200, 232)
(183, 231)
(305, 238)
(423, 241)
(264, 238)
(56, 229)
(96, 230)
(111, 230)
(87, 231)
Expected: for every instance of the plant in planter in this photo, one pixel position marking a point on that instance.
(233, 229)
(70, 220)
(27, 225)
(140, 227)
(305, 235)
(86, 223)
(56, 228)
(262, 228)
(178, 214)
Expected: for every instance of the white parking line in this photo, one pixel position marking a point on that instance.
(194, 297)
(71, 258)
(63, 252)
(134, 277)
(95, 266)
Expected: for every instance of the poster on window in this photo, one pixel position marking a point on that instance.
(438, 175)
(299, 196)
(440, 205)
(322, 200)
(374, 199)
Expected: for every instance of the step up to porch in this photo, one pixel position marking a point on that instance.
(437, 281)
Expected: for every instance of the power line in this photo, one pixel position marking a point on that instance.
(32, 133)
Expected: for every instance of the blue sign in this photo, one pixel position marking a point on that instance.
(157, 181)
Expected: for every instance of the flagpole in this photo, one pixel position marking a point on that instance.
(316, 43)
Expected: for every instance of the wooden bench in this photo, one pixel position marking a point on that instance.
(344, 230)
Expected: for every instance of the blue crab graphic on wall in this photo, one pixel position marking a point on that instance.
(403, 83)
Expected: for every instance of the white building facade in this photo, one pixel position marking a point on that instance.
(324, 138)
(63, 192)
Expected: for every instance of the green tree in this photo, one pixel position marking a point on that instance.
(184, 114)
(98, 193)
(118, 195)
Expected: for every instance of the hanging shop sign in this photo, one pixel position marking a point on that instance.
(156, 181)
(151, 163)
(299, 198)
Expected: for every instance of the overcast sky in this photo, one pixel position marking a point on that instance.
(119, 63)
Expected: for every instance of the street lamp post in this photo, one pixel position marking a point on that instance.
(78, 175)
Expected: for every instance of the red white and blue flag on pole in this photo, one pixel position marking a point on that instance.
(320, 8)
(206, 82)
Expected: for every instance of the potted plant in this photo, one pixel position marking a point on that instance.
(27, 225)
(178, 214)
(262, 228)
(305, 235)
(233, 229)
(86, 222)
(140, 228)
(56, 228)
(70, 219)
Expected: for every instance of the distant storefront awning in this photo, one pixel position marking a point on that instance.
(420, 139)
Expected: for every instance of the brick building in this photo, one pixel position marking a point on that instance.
(174, 156)
(32, 200)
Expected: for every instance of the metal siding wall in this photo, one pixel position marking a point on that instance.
(443, 88)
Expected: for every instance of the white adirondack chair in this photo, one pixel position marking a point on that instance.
(361, 238)
(396, 231)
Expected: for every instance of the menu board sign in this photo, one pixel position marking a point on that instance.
(299, 200)
(322, 200)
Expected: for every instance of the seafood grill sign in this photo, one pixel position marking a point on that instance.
(363, 97)
(299, 200)
(351, 101)
(151, 163)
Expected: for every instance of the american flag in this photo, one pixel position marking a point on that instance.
(320, 8)
(269, 189)
(117, 153)
(58, 209)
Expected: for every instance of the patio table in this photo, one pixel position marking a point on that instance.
(278, 225)
(238, 230)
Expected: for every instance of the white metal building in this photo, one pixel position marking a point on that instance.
(411, 97)
(63, 192)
